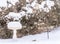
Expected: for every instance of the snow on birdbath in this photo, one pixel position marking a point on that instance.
(14, 26)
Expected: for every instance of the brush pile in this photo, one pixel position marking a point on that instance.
(36, 16)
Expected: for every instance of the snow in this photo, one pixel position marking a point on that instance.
(3, 3)
(41, 6)
(33, 3)
(27, 1)
(54, 38)
(14, 25)
(54, 35)
(15, 16)
(29, 10)
(49, 5)
(13, 1)
(28, 6)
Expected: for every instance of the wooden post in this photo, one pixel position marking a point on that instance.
(47, 33)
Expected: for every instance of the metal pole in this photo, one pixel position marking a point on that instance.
(48, 33)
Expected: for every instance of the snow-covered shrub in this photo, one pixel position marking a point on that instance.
(34, 17)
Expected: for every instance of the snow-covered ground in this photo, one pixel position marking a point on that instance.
(54, 38)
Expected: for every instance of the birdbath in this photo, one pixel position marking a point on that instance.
(14, 26)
